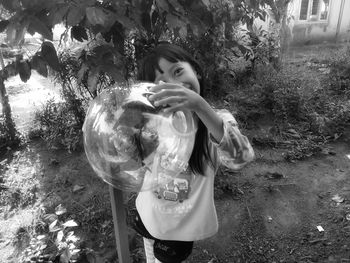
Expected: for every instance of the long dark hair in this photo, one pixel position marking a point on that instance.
(147, 72)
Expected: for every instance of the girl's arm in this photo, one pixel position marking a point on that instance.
(177, 97)
(234, 149)
(210, 118)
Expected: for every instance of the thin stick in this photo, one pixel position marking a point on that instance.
(249, 213)
(120, 227)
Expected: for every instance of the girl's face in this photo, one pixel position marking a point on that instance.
(178, 73)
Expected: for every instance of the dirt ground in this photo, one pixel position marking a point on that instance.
(272, 217)
(278, 211)
(279, 207)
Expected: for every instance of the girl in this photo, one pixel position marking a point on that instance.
(170, 225)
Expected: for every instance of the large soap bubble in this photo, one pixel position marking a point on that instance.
(133, 145)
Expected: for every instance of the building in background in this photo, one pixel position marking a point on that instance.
(316, 21)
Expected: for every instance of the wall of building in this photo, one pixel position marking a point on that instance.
(345, 23)
(332, 29)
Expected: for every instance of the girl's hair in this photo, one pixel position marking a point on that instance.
(147, 72)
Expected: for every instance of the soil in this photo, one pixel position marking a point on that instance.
(280, 205)
(276, 211)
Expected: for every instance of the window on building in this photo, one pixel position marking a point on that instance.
(314, 7)
(314, 10)
(303, 9)
(324, 9)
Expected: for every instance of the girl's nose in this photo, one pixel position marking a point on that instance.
(168, 80)
(164, 80)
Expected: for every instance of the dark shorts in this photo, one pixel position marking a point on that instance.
(166, 251)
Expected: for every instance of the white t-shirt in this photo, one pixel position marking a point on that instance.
(184, 209)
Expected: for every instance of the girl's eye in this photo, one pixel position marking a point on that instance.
(177, 71)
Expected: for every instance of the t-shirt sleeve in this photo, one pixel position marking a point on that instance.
(234, 149)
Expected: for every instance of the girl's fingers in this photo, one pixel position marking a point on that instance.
(168, 101)
(179, 106)
(164, 93)
(164, 86)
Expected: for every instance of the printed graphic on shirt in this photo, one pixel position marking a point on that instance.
(177, 190)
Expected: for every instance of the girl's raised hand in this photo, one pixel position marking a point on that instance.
(175, 97)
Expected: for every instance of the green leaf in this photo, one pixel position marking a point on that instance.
(244, 49)
(72, 238)
(196, 29)
(172, 21)
(81, 73)
(3, 25)
(76, 251)
(65, 256)
(24, 70)
(43, 246)
(50, 217)
(53, 226)
(113, 71)
(49, 54)
(58, 13)
(60, 210)
(70, 223)
(32, 3)
(71, 246)
(75, 15)
(40, 65)
(93, 79)
(91, 258)
(261, 15)
(79, 33)
(59, 236)
(101, 16)
(11, 5)
(206, 3)
(15, 32)
(40, 237)
(177, 6)
(183, 32)
(69, 234)
(163, 5)
(105, 53)
(126, 22)
(35, 25)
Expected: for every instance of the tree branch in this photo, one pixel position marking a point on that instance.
(9, 70)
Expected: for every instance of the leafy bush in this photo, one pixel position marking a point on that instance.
(268, 92)
(304, 112)
(58, 126)
(287, 101)
(5, 137)
(86, 71)
(293, 100)
(60, 240)
(340, 72)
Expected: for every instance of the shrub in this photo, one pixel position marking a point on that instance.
(57, 242)
(340, 72)
(58, 126)
(288, 104)
(301, 106)
(269, 92)
(6, 139)
(294, 100)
